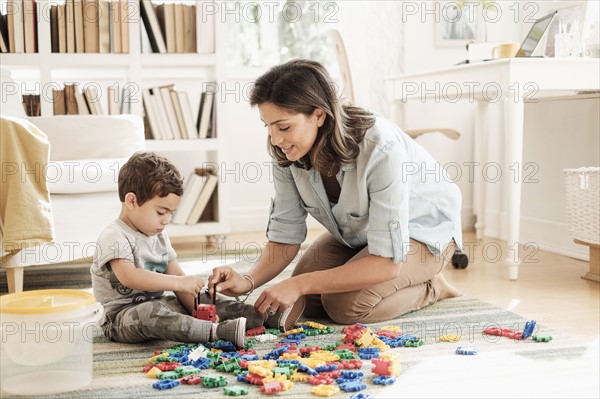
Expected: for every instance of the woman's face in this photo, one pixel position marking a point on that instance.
(293, 133)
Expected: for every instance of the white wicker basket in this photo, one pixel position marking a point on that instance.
(583, 203)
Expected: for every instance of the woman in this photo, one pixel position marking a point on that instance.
(392, 216)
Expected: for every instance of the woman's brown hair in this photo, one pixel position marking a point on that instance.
(302, 86)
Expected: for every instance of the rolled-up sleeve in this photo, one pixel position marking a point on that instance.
(287, 216)
(389, 190)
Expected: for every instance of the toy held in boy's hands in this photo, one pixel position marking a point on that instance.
(206, 312)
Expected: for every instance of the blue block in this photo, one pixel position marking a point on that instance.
(165, 384)
(528, 329)
(384, 380)
(353, 386)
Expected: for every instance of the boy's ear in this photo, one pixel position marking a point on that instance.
(130, 200)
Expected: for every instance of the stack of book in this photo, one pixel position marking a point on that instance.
(18, 27)
(31, 103)
(168, 114)
(90, 26)
(76, 26)
(71, 100)
(171, 27)
(196, 201)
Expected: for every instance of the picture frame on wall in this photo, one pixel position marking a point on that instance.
(575, 18)
(457, 25)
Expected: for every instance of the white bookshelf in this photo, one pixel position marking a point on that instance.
(189, 71)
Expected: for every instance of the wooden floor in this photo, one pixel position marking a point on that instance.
(549, 290)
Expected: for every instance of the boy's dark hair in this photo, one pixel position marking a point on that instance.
(148, 175)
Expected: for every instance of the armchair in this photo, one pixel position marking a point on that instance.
(85, 155)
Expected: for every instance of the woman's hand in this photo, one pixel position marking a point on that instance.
(278, 297)
(229, 282)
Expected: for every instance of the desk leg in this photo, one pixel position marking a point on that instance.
(480, 147)
(513, 134)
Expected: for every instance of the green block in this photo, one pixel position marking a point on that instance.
(168, 375)
(283, 370)
(213, 381)
(235, 391)
(187, 370)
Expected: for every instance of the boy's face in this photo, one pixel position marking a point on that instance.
(154, 215)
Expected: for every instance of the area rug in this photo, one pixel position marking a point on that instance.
(503, 367)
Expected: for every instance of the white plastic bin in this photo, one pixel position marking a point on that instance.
(47, 339)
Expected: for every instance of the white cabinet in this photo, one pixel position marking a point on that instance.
(191, 72)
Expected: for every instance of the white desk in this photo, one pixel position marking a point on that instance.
(513, 82)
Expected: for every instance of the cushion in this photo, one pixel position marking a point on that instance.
(84, 176)
(92, 136)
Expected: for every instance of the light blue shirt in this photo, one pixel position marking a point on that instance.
(393, 192)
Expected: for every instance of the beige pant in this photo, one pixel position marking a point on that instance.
(412, 290)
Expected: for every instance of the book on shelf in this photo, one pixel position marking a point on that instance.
(115, 26)
(203, 121)
(92, 98)
(70, 26)
(179, 28)
(152, 124)
(104, 26)
(14, 13)
(198, 191)
(70, 100)
(82, 105)
(126, 99)
(179, 114)
(168, 106)
(191, 192)
(124, 22)
(58, 102)
(189, 28)
(188, 119)
(30, 25)
(152, 26)
(54, 29)
(62, 28)
(212, 127)
(78, 26)
(210, 184)
(114, 100)
(169, 113)
(91, 24)
(165, 13)
(4, 46)
(31, 103)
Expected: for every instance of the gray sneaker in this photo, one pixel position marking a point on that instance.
(233, 331)
(287, 319)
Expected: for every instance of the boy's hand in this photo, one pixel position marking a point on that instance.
(190, 284)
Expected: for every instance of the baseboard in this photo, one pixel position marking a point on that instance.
(547, 235)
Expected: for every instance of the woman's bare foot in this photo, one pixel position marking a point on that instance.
(444, 288)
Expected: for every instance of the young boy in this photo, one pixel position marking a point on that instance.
(134, 264)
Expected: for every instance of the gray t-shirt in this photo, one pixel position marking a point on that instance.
(119, 241)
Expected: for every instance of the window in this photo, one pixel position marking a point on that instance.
(265, 33)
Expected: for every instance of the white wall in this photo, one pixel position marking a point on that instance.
(552, 141)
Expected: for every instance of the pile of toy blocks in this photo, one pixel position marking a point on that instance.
(330, 369)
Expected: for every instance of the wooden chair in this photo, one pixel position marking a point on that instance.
(459, 260)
